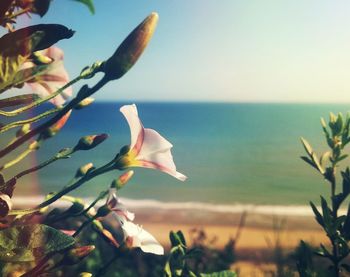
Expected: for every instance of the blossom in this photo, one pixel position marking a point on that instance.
(55, 78)
(136, 236)
(148, 148)
(118, 208)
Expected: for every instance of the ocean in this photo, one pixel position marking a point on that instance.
(232, 153)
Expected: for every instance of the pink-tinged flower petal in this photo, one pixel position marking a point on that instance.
(148, 148)
(138, 237)
(68, 232)
(46, 84)
(118, 208)
(153, 142)
(136, 128)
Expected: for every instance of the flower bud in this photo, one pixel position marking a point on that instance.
(25, 129)
(84, 103)
(75, 255)
(54, 129)
(124, 150)
(83, 170)
(122, 180)
(130, 49)
(40, 59)
(85, 274)
(35, 145)
(89, 142)
(103, 211)
(5, 204)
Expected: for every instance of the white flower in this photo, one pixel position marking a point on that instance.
(136, 236)
(55, 78)
(148, 148)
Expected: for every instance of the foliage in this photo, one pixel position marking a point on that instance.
(336, 227)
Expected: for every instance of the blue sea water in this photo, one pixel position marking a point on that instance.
(231, 153)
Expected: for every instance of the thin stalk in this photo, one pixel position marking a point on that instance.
(90, 175)
(40, 100)
(53, 120)
(16, 160)
(40, 166)
(29, 120)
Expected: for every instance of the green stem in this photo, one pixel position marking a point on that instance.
(16, 160)
(40, 166)
(53, 120)
(29, 120)
(90, 175)
(40, 100)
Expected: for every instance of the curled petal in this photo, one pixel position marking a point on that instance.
(148, 148)
(55, 78)
(138, 237)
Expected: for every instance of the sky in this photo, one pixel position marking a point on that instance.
(225, 51)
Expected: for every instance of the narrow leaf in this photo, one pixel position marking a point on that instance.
(318, 215)
(89, 4)
(307, 146)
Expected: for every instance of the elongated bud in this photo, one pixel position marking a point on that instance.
(5, 205)
(77, 254)
(84, 103)
(122, 180)
(40, 59)
(35, 145)
(131, 48)
(85, 274)
(83, 170)
(89, 142)
(103, 211)
(54, 129)
(25, 129)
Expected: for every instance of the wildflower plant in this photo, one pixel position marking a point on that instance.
(30, 61)
(335, 225)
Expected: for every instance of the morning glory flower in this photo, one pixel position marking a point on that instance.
(136, 236)
(148, 148)
(55, 78)
(117, 207)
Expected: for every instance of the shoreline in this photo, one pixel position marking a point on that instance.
(277, 210)
(262, 224)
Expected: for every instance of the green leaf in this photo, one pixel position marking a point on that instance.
(346, 227)
(309, 161)
(327, 215)
(318, 215)
(17, 46)
(31, 242)
(307, 146)
(346, 181)
(225, 273)
(89, 4)
(324, 158)
(177, 239)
